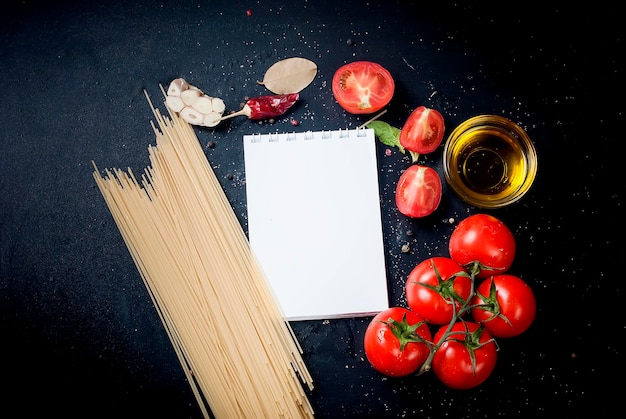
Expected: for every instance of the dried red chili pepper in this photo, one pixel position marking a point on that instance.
(264, 107)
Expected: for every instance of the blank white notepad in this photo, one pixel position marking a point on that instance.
(314, 221)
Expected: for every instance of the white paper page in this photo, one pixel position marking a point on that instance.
(314, 221)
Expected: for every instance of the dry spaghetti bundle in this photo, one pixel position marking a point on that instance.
(240, 355)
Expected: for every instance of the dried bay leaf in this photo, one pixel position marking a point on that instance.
(290, 75)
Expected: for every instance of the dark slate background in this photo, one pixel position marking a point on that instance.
(79, 333)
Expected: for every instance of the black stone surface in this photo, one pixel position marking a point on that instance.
(79, 333)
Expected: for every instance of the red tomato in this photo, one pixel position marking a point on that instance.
(453, 363)
(485, 239)
(363, 87)
(505, 305)
(394, 342)
(423, 130)
(430, 296)
(418, 192)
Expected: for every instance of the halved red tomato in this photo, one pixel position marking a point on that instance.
(363, 87)
(423, 130)
(418, 192)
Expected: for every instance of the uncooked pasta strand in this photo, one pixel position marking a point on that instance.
(226, 327)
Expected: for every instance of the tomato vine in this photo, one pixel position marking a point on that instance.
(469, 339)
(470, 315)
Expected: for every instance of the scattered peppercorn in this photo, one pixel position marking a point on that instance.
(230, 176)
(211, 144)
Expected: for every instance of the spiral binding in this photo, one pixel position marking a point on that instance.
(274, 137)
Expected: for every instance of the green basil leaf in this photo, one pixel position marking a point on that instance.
(386, 134)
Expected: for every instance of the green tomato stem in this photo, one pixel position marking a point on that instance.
(455, 317)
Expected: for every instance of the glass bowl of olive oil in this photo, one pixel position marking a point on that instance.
(489, 161)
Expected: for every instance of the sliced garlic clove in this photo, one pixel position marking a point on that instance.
(211, 119)
(192, 116)
(203, 104)
(177, 86)
(189, 96)
(218, 105)
(193, 105)
(175, 103)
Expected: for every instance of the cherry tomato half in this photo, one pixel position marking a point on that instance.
(392, 345)
(423, 130)
(452, 363)
(434, 301)
(505, 305)
(485, 239)
(418, 192)
(362, 87)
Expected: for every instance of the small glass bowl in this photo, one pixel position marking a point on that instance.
(489, 161)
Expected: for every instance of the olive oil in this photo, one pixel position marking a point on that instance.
(489, 161)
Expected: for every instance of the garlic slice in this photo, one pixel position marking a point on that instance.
(218, 105)
(193, 105)
(175, 103)
(203, 104)
(177, 86)
(189, 96)
(212, 119)
(192, 116)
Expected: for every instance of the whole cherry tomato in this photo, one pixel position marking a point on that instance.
(418, 192)
(362, 87)
(394, 342)
(485, 242)
(505, 305)
(466, 357)
(423, 130)
(432, 286)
